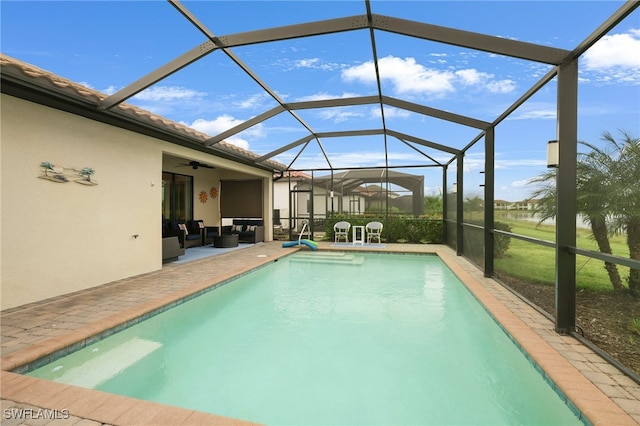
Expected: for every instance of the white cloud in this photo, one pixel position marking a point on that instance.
(614, 58)
(472, 76)
(338, 115)
(502, 86)
(253, 101)
(409, 77)
(226, 122)
(239, 142)
(307, 63)
(109, 90)
(521, 183)
(614, 50)
(535, 111)
(169, 93)
(390, 112)
(312, 63)
(405, 75)
(541, 114)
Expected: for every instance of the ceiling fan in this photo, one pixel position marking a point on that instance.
(195, 165)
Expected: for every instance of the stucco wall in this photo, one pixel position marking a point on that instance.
(62, 237)
(57, 238)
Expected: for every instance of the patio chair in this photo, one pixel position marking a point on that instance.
(341, 231)
(374, 231)
(208, 232)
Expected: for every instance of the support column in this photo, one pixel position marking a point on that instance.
(459, 198)
(489, 195)
(567, 135)
(445, 205)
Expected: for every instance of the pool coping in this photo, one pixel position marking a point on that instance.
(582, 394)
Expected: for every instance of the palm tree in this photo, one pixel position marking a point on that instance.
(594, 200)
(46, 166)
(624, 191)
(86, 172)
(433, 204)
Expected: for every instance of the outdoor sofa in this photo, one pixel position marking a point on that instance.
(248, 230)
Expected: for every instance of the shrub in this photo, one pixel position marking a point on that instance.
(398, 228)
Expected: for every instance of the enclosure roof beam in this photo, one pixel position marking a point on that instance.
(202, 28)
(287, 32)
(471, 40)
(420, 152)
(284, 148)
(344, 133)
(298, 154)
(437, 113)
(467, 39)
(245, 125)
(330, 103)
(341, 102)
(423, 142)
(625, 10)
(157, 75)
(367, 132)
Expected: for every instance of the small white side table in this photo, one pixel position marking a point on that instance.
(358, 237)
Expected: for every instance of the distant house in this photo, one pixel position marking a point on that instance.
(529, 204)
(526, 204)
(502, 205)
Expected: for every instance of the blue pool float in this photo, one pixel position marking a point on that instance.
(309, 243)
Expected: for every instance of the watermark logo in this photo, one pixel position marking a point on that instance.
(35, 414)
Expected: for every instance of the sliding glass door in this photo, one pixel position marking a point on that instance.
(177, 197)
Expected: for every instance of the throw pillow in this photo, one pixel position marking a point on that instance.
(183, 227)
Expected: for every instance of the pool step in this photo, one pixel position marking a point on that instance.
(328, 257)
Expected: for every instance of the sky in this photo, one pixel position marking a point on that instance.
(109, 45)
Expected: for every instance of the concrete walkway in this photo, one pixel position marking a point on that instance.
(32, 333)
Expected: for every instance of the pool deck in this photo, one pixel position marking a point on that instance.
(32, 332)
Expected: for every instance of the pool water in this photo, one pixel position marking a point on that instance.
(327, 338)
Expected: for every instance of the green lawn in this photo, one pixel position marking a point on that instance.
(536, 263)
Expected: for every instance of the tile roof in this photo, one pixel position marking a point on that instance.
(50, 82)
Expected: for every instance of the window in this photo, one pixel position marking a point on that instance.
(177, 197)
(354, 205)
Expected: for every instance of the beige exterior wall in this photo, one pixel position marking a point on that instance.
(58, 238)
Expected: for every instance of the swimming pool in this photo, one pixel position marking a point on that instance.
(327, 339)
